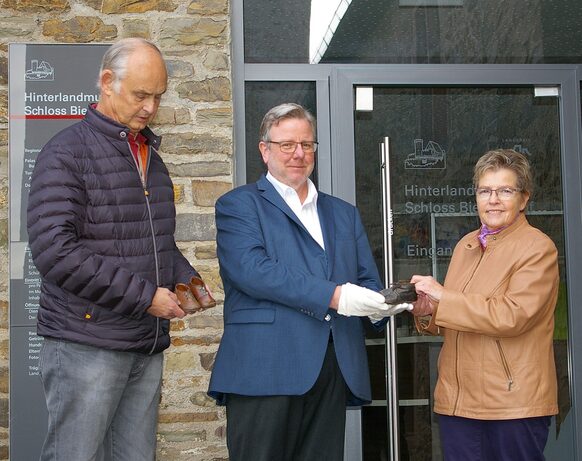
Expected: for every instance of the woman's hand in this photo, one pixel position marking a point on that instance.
(429, 294)
(422, 306)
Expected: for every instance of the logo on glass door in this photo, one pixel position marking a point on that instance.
(522, 150)
(430, 156)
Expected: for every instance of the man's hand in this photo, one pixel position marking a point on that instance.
(393, 309)
(165, 305)
(360, 302)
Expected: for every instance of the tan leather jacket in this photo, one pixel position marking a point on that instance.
(497, 318)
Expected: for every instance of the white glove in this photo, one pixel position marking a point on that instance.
(393, 309)
(360, 302)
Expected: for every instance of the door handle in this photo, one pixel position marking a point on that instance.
(390, 343)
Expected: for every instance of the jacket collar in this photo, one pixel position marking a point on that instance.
(324, 210)
(497, 239)
(115, 130)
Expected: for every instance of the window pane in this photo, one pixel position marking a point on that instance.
(412, 31)
(276, 31)
(259, 98)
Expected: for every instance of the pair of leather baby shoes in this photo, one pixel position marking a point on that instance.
(194, 296)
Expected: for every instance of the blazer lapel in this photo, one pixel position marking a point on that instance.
(326, 220)
(269, 192)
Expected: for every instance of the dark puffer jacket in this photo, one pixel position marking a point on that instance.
(101, 240)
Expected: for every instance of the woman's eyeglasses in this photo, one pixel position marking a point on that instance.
(503, 193)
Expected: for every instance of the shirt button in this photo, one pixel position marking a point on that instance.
(327, 318)
(123, 134)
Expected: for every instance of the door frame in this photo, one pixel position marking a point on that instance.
(343, 79)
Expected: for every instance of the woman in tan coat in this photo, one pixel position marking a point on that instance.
(496, 388)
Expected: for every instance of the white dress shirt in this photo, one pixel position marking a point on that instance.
(306, 211)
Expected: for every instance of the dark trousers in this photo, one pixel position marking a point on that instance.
(309, 427)
(466, 439)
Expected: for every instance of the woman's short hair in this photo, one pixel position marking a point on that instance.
(285, 111)
(117, 55)
(508, 159)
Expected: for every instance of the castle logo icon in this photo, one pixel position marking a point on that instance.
(39, 71)
(426, 157)
(521, 149)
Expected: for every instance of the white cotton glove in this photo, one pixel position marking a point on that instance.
(360, 302)
(393, 309)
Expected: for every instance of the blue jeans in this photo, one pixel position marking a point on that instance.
(102, 404)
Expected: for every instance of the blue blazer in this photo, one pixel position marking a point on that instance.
(278, 283)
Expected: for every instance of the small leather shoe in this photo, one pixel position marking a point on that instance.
(187, 300)
(399, 292)
(201, 293)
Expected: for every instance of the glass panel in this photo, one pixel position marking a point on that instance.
(412, 31)
(259, 98)
(276, 30)
(436, 136)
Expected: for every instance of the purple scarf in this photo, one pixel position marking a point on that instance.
(484, 232)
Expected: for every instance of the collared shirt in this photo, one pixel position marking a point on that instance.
(306, 211)
(139, 150)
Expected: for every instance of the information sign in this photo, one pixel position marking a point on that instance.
(50, 87)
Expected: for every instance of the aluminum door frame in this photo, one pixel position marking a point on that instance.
(567, 77)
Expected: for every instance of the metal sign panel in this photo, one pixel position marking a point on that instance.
(50, 87)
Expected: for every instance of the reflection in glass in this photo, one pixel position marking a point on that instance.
(325, 17)
(412, 31)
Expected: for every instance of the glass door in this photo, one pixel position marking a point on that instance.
(432, 136)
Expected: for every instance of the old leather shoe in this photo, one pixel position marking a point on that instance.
(399, 292)
(201, 293)
(187, 300)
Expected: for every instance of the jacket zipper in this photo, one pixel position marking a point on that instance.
(147, 200)
(147, 196)
(457, 373)
(505, 364)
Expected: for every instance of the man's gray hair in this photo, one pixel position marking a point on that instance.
(285, 111)
(116, 57)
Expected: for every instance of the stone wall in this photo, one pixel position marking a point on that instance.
(195, 119)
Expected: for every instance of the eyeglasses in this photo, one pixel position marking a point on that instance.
(503, 193)
(289, 147)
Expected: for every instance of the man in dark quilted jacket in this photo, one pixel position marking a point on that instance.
(101, 223)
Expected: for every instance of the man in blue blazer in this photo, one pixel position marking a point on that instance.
(299, 277)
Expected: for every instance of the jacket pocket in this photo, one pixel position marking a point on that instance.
(263, 315)
(505, 364)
